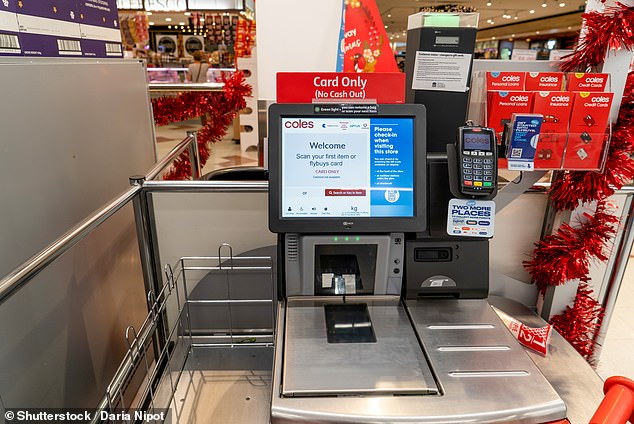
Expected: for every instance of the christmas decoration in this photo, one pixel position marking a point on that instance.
(580, 323)
(220, 109)
(566, 255)
(365, 46)
(613, 29)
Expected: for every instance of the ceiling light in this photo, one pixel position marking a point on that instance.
(489, 3)
(569, 27)
(531, 11)
(544, 4)
(385, 26)
(187, 13)
(181, 23)
(389, 15)
(148, 13)
(150, 23)
(512, 35)
(492, 38)
(515, 17)
(492, 22)
(536, 32)
(562, 4)
(168, 19)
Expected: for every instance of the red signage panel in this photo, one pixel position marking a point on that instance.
(341, 87)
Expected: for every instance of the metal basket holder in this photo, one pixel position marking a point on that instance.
(149, 375)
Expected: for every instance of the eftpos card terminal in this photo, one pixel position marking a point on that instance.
(477, 160)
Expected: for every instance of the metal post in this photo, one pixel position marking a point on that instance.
(141, 218)
(194, 158)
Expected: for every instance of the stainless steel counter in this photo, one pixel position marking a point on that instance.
(483, 374)
(575, 381)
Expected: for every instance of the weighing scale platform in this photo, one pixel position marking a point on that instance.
(316, 367)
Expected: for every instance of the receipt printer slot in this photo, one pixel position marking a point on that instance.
(439, 254)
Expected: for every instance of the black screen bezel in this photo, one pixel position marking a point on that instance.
(278, 224)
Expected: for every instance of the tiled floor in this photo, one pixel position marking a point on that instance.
(617, 354)
(224, 153)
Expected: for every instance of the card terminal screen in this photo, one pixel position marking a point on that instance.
(476, 141)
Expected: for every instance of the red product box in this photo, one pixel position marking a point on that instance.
(502, 104)
(544, 81)
(587, 82)
(555, 106)
(505, 81)
(584, 150)
(590, 112)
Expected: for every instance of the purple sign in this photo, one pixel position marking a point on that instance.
(59, 10)
(99, 24)
(101, 13)
(49, 46)
(60, 28)
(101, 49)
(9, 6)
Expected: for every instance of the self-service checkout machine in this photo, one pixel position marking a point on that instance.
(381, 318)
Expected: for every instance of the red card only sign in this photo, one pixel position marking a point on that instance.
(365, 45)
(346, 87)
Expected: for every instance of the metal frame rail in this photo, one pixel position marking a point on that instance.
(13, 281)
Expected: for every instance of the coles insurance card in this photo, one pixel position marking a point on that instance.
(470, 218)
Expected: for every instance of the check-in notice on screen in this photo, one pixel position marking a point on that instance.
(347, 167)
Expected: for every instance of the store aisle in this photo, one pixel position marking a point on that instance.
(225, 153)
(617, 354)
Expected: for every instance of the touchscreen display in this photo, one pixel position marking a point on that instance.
(347, 167)
(477, 141)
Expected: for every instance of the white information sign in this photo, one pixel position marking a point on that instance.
(441, 71)
(515, 165)
(524, 54)
(559, 54)
(471, 218)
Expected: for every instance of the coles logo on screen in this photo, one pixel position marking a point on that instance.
(299, 123)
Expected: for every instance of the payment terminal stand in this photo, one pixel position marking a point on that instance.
(365, 333)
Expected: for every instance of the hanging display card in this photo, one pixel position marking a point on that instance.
(99, 25)
(471, 218)
(523, 141)
(441, 71)
(49, 28)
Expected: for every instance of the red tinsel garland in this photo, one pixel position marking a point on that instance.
(580, 323)
(613, 29)
(220, 109)
(566, 255)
